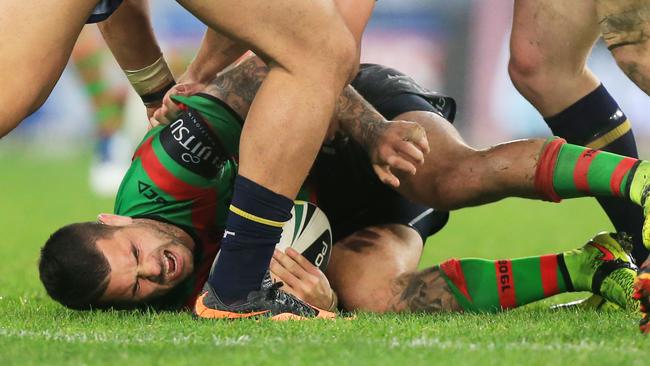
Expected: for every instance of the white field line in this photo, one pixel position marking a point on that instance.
(246, 340)
(424, 342)
(120, 339)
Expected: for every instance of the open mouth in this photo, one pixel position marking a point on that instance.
(172, 265)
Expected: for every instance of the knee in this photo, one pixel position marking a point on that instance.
(341, 56)
(526, 68)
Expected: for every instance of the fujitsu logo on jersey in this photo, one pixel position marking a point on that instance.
(192, 144)
(197, 151)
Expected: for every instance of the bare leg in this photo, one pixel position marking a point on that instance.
(374, 270)
(550, 43)
(32, 62)
(504, 170)
(311, 56)
(625, 25)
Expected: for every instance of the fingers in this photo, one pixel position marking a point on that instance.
(403, 147)
(282, 274)
(168, 111)
(415, 134)
(385, 175)
(153, 122)
(302, 261)
(397, 162)
(418, 137)
(289, 264)
(422, 142)
(408, 150)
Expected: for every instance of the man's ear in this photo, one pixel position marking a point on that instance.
(114, 220)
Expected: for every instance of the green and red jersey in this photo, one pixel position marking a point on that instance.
(183, 174)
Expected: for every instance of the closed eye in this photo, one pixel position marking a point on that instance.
(136, 255)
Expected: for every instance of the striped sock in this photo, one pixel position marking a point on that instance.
(596, 121)
(481, 285)
(568, 171)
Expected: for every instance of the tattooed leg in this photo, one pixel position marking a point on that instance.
(375, 270)
(426, 291)
(625, 26)
(480, 285)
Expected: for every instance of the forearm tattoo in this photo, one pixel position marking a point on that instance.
(425, 291)
(359, 119)
(237, 86)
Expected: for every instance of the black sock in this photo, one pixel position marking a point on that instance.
(253, 228)
(596, 121)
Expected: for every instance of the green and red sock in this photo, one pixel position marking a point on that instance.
(482, 285)
(568, 171)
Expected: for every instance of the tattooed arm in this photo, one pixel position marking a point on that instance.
(354, 116)
(424, 291)
(238, 84)
(395, 145)
(391, 145)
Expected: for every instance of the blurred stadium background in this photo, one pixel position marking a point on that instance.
(458, 47)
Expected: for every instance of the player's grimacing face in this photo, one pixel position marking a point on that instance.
(145, 263)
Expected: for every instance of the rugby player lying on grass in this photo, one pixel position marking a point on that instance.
(163, 246)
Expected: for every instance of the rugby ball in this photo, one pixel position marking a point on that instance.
(309, 233)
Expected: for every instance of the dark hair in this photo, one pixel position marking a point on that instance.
(72, 269)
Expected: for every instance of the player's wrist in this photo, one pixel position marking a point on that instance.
(152, 82)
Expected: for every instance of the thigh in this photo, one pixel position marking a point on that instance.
(398, 97)
(356, 15)
(554, 33)
(447, 151)
(35, 32)
(275, 29)
(366, 265)
(344, 185)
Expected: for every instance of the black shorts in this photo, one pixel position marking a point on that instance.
(348, 190)
(103, 10)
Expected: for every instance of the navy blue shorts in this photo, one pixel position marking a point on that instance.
(348, 190)
(103, 10)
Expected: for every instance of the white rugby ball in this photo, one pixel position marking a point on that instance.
(309, 233)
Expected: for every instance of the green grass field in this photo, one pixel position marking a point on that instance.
(37, 196)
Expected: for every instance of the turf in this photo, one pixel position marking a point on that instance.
(37, 196)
